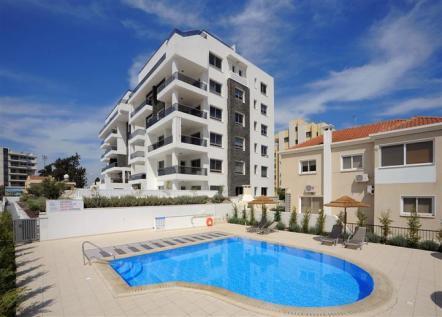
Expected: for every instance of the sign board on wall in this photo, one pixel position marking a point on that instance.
(64, 205)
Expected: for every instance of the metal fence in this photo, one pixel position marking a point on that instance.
(424, 234)
(26, 230)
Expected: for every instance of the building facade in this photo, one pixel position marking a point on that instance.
(200, 118)
(298, 132)
(15, 167)
(393, 166)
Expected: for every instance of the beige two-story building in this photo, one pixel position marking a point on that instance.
(392, 165)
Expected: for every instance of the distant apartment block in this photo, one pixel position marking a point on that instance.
(298, 131)
(200, 118)
(15, 167)
(393, 166)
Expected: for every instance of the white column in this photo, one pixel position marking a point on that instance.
(174, 67)
(327, 169)
(174, 97)
(176, 130)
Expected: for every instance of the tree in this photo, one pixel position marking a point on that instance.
(97, 180)
(320, 222)
(69, 165)
(385, 221)
(293, 223)
(413, 229)
(362, 218)
(306, 220)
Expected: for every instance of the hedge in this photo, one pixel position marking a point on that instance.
(132, 201)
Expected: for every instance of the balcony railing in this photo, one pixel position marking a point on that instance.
(112, 148)
(108, 166)
(141, 132)
(160, 143)
(137, 109)
(194, 82)
(193, 140)
(108, 121)
(137, 154)
(137, 176)
(188, 170)
(182, 108)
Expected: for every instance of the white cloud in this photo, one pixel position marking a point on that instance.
(258, 29)
(137, 63)
(414, 105)
(398, 45)
(56, 132)
(177, 12)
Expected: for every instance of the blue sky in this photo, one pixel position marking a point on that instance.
(64, 64)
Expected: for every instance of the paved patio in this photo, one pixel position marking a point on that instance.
(58, 284)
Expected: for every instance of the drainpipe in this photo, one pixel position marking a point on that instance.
(327, 168)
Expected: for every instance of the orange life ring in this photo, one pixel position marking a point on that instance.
(209, 222)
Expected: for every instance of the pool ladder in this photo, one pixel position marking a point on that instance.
(86, 257)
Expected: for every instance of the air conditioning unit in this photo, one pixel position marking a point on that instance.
(309, 189)
(361, 178)
(370, 189)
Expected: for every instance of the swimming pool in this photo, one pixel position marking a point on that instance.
(256, 269)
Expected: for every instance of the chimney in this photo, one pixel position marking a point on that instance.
(327, 167)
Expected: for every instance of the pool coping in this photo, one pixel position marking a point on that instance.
(381, 298)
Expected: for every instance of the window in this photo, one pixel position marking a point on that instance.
(263, 130)
(254, 125)
(216, 113)
(238, 168)
(255, 147)
(314, 204)
(352, 162)
(215, 61)
(263, 109)
(239, 143)
(286, 139)
(308, 134)
(407, 154)
(240, 72)
(239, 94)
(218, 188)
(255, 191)
(215, 87)
(216, 166)
(196, 187)
(263, 89)
(264, 150)
(238, 190)
(308, 167)
(263, 191)
(421, 205)
(255, 169)
(239, 118)
(263, 171)
(216, 139)
(254, 103)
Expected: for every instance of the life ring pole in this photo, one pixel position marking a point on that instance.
(209, 221)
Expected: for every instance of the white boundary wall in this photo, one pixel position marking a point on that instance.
(93, 221)
(80, 193)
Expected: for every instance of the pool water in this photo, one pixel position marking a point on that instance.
(260, 270)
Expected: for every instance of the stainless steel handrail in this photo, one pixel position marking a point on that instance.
(85, 256)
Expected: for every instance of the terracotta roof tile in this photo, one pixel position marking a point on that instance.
(364, 131)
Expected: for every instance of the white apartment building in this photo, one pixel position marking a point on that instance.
(15, 168)
(201, 117)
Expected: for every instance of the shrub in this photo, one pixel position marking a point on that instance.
(439, 236)
(362, 218)
(218, 197)
(320, 222)
(280, 225)
(48, 188)
(10, 296)
(399, 241)
(277, 215)
(429, 245)
(293, 222)
(413, 229)
(281, 193)
(385, 221)
(36, 204)
(244, 215)
(373, 237)
(263, 214)
(305, 221)
(252, 220)
(132, 201)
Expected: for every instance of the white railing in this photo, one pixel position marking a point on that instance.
(80, 193)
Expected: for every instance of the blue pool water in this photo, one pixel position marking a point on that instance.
(265, 271)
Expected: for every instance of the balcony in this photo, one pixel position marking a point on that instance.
(141, 112)
(137, 154)
(137, 132)
(160, 144)
(193, 140)
(175, 107)
(187, 170)
(108, 166)
(138, 176)
(136, 157)
(194, 82)
(112, 148)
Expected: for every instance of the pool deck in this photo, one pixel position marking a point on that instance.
(58, 284)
